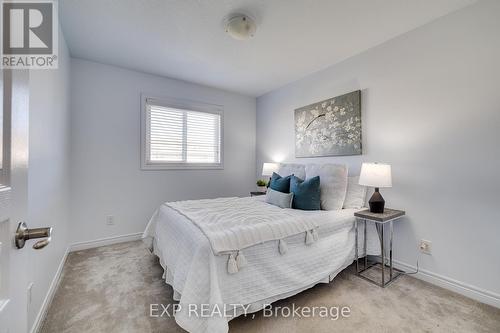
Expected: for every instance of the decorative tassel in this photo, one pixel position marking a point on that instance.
(283, 247)
(309, 238)
(241, 261)
(232, 266)
(315, 235)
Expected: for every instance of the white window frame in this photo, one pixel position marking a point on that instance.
(169, 102)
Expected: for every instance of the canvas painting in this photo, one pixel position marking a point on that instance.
(329, 128)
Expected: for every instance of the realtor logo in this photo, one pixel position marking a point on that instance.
(29, 35)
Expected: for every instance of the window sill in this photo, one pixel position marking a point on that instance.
(173, 166)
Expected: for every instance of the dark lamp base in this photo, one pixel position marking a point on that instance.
(377, 202)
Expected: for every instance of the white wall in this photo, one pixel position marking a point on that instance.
(106, 175)
(431, 108)
(48, 174)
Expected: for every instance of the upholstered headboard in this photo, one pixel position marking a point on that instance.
(337, 189)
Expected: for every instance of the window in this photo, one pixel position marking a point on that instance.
(181, 135)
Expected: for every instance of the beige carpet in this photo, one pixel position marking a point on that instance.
(110, 289)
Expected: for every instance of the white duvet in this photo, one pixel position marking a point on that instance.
(233, 224)
(198, 276)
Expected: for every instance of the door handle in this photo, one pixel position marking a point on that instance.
(23, 234)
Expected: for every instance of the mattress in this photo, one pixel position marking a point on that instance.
(200, 278)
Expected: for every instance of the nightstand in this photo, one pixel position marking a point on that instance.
(380, 220)
(254, 194)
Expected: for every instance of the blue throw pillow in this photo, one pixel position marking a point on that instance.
(280, 184)
(306, 194)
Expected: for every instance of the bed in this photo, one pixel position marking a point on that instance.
(199, 276)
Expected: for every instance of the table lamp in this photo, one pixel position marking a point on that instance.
(268, 169)
(376, 175)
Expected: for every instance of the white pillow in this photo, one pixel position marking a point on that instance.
(333, 183)
(283, 200)
(287, 169)
(356, 194)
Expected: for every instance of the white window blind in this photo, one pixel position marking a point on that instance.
(180, 137)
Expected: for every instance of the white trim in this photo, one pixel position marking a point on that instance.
(104, 241)
(475, 293)
(467, 290)
(180, 166)
(185, 105)
(42, 313)
(50, 295)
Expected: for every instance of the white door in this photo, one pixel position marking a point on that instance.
(14, 263)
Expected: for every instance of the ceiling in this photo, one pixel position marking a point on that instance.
(184, 39)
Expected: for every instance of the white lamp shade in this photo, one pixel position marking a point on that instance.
(269, 168)
(375, 175)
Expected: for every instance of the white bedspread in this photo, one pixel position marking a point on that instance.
(200, 277)
(232, 224)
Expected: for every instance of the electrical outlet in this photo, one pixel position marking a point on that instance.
(110, 220)
(425, 246)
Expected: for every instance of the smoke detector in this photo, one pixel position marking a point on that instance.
(240, 26)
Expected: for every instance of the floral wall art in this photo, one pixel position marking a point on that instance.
(329, 128)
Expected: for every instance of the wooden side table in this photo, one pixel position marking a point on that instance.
(254, 194)
(380, 220)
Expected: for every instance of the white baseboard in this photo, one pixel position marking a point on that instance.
(478, 294)
(104, 241)
(55, 281)
(50, 295)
